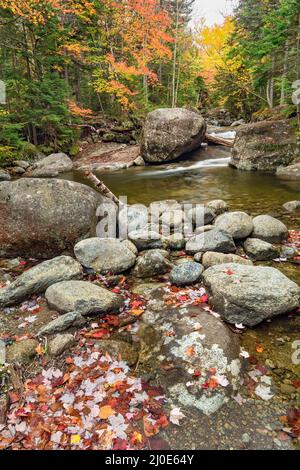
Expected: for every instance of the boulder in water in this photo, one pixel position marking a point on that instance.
(170, 133)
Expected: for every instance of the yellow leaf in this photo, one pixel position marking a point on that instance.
(106, 411)
(75, 439)
(136, 312)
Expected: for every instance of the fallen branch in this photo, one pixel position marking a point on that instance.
(219, 140)
(100, 186)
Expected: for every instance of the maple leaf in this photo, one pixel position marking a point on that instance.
(136, 312)
(136, 438)
(176, 415)
(150, 427)
(106, 411)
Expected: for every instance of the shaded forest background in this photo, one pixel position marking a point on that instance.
(68, 62)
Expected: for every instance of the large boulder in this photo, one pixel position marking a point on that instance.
(291, 172)
(186, 273)
(250, 294)
(83, 297)
(269, 229)
(44, 217)
(37, 279)
(170, 133)
(213, 240)
(51, 166)
(265, 146)
(193, 355)
(238, 224)
(105, 255)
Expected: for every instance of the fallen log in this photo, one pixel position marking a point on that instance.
(214, 139)
(100, 186)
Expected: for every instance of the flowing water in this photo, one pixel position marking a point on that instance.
(202, 176)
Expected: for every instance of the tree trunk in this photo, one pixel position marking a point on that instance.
(284, 74)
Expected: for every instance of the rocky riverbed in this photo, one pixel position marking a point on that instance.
(151, 342)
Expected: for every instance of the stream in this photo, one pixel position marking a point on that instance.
(200, 177)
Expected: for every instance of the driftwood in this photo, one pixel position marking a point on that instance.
(219, 140)
(100, 186)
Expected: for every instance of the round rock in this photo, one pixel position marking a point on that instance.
(238, 224)
(218, 206)
(269, 229)
(259, 250)
(83, 297)
(105, 255)
(213, 240)
(151, 263)
(250, 294)
(186, 273)
(292, 206)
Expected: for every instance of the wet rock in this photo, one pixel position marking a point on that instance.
(60, 344)
(291, 172)
(238, 224)
(42, 218)
(83, 297)
(250, 294)
(105, 255)
(218, 206)
(4, 176)
(213, 240)
(139, 161)
(198, 350)
(37, 279)
(51, 166)
(265, 146)
(289, 252)
(211, 258)
(269, 229)
(176, 242)
(62, 323)
(186, 274)
(119, 349)
(147, 239)
(201, 215)
(151, 264)
(259, 250)
(21, 351)
(170, 133)
(292, 206)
